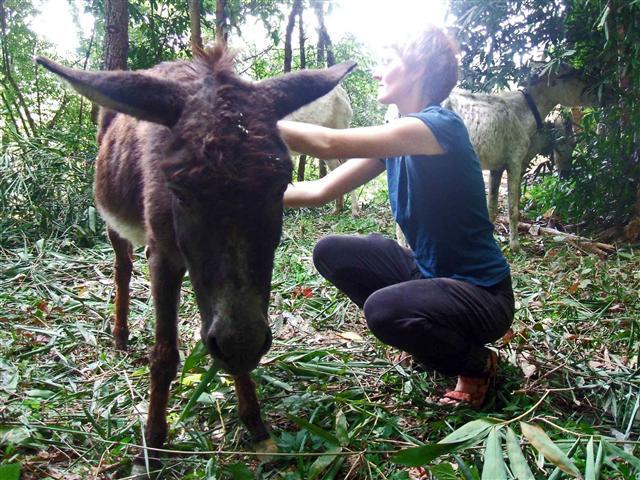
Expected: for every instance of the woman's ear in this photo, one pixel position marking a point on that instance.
(416, 73)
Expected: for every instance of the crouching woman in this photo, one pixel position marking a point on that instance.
(445, 298)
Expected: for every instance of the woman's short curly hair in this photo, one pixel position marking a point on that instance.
(436, 52)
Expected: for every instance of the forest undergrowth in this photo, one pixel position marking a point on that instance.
(565, 403)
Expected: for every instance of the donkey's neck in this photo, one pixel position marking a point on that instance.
(546, 97)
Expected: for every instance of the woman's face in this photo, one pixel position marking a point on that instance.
(394, 80)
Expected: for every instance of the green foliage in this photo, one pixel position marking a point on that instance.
(601, 186)
(360, 84)
(496, 38)
(159, 31)
(45, 190)
(46, 145)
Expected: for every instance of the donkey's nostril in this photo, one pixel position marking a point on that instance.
(213, 347)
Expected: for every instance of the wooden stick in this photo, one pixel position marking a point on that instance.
(583, 243)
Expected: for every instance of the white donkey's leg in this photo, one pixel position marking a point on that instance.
(514, 180)
(355, 208)
(400, 238)
(495, 177)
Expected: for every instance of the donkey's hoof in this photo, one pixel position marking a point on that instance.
(120, 338)
(139, 469)
(265, 448)
(120, 345)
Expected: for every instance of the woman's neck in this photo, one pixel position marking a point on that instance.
(412, 103)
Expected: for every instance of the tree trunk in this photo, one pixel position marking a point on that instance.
(196, 31)
(221, 22)
(323, 51)
(116, 38)
(322, 168)
(295, 10)
(302, 166)
(301, 40)
(324, 40)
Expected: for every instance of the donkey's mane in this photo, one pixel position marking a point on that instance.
(216, 58)
(231, 134)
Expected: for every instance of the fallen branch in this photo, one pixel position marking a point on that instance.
(582, 243)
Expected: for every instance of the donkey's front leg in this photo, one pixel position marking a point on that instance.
(249, 412)
(514, 179)
(166, 279)
(495, 177)
(123, 268)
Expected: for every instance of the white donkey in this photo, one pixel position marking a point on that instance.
(334, 111)
(502, 127)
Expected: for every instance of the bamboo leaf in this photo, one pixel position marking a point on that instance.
(476, 429)
(443, 471)
(316, 430)
(10, 471)
(321, 464)
(93, 422)
(198, 352)
(342, 428)
(517, 461)
(634, 461)
(590, 467)
(541, 441)
(202, 386)
(464, 469)
(419, 456)
(494, 467)
(556, 471)
(599, 458)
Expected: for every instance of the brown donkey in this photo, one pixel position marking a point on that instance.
(196, 170)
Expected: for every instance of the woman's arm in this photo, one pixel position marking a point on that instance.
(405, 136)
(343, 179)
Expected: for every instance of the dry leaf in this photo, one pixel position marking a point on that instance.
(353, 336)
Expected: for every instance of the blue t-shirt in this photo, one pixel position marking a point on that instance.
(439, 202)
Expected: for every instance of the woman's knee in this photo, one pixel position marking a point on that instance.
(379, 317)
(325, 254)
(336, 252)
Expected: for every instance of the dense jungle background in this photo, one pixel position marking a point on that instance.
(567, 400)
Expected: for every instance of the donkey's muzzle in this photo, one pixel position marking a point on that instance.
(238, 351)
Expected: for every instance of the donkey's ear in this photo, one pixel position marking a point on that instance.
(291, 91)
(133, 93)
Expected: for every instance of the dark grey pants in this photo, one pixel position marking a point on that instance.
(443, 323)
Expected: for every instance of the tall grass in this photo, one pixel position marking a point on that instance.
(45, 191)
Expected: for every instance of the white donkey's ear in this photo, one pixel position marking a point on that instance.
(291, 91)
(133, 93)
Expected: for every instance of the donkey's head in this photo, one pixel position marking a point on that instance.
(226, 169)
(562, 85)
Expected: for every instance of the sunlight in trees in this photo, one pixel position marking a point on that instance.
(370, 21)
